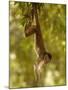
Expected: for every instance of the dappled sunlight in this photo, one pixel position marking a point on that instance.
(49, 78)
(63, 43)
(12, 56)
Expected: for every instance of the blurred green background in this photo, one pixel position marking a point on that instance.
(52, 20)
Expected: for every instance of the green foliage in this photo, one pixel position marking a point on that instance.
(52, 18)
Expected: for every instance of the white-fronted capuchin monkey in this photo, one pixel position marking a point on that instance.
(43, 56)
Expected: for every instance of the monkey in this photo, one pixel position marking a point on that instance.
(43, 57)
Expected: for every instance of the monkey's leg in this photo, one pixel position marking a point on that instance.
(35, 75)
(37, 70)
